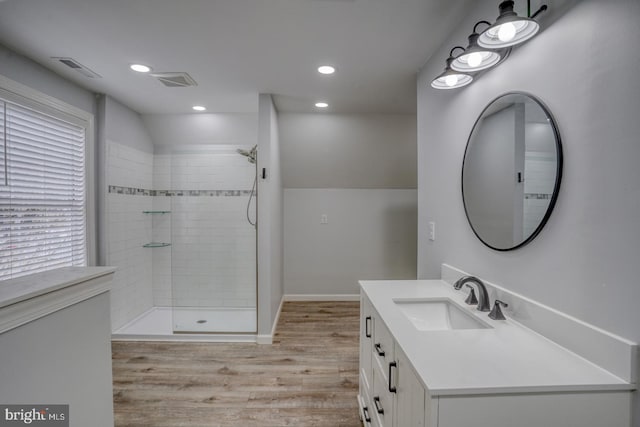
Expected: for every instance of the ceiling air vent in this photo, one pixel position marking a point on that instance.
(75, 65)
(175, 79)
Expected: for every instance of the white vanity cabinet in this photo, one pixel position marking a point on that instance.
(405, 379)
(413, 404)
(390, 392)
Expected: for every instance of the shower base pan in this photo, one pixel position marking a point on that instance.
(191, 324)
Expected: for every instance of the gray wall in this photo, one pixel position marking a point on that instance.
(584, 262)
(359, 170)
(270, 213)
(34, 75)
(176, 130)
(348, 150)
(125, 126)
(369, 234)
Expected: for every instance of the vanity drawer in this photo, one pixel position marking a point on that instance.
(381, 399)
(382, 344)
(366, 408)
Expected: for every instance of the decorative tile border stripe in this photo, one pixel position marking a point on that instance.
(130, 191)
(200, 193)
(539, 196)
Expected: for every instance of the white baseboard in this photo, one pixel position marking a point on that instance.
(268, 338)
(277, 318)
(321, 297)
(264, 339)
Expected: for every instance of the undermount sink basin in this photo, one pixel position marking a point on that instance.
(438, 315)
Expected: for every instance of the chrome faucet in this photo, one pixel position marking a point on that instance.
(483, 296)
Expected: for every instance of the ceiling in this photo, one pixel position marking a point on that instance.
(236, 49)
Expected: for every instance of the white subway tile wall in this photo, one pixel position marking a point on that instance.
(223, 170)
(162, 172)
(213, 245)
(212, 258)
(128, 167)
(127, 230)
(214, 261)
(161, 231)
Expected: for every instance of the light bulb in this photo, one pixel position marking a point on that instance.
(474, 59)
(451, 80)
(506, 32)
(326, 69)
(140, 68)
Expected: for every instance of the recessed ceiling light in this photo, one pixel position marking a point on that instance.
(326, 69)
(140, 68)
(199, 108)
(322, 104)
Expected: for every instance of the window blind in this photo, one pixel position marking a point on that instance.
(42, 208)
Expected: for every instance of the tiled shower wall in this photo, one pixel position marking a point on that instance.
(213, 252)
(212, 259)
(127, 230)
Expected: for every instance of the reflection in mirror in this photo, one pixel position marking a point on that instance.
(511, 171)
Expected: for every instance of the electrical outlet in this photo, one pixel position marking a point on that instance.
(432, 231)
(324, 219)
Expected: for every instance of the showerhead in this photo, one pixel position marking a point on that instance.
(251, 155)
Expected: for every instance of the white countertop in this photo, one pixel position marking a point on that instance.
(507, 358)
(13, 291)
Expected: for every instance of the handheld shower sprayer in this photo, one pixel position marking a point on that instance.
(252, 157)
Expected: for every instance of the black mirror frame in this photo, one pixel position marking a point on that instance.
(558, 180)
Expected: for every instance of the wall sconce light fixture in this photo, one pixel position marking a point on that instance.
(451, 79)
(489, 48)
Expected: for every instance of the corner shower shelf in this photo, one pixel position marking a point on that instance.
(156, 245)
(156, 212)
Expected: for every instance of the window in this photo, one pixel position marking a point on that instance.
(43, 203)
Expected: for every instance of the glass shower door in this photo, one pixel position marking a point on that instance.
(213, 245)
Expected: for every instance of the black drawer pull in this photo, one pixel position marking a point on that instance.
(367, 327)
(376, 401)
(367, 418)
(392, 389)
(379, 349)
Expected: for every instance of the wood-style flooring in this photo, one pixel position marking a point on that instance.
(308, 377)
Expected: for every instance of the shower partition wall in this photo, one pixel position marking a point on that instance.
(213, 247)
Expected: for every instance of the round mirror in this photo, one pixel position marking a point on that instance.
(511, 171)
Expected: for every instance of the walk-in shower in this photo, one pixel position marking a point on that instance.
(205, 278)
